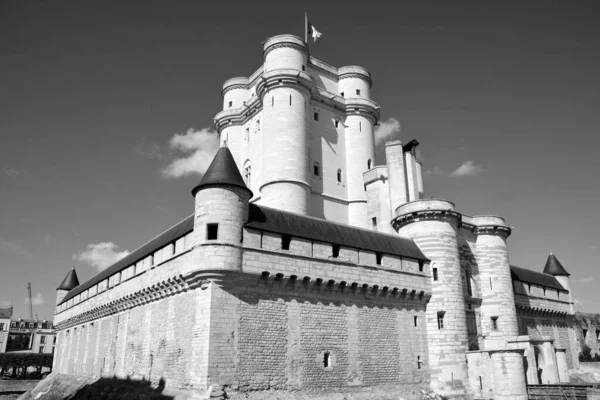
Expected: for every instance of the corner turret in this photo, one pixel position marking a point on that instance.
(555, 268)
(222, 204)
(69, 283)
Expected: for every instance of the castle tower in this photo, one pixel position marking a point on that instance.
(554, 267)
(69, 283)
(220, 212)
(355, 86)
(394, 156)
(284, 90)
(433, 225)
(498, 312)
(235, 94)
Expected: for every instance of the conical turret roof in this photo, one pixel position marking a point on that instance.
(70, 282)
(554, 267)
(222, 171)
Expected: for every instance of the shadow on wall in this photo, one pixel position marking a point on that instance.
(59, 386)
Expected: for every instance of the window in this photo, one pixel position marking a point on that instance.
(53, 348)
(304, 68)
(494, 323)
(359, 126)
(41, 349)
(585, 331)
(418, 362)
(378, 258)
(317, 169)
(212, 231)
(416, 320)
(374, 222)
(42, 339)
(421, 264)
(335, 251)
(337, 123)
(247, 134)
(31, 326)
(230, 104)
(258, 125)
(247, 174)
(1, 327)
(435, 274)
(339, 176)
(54, 341)
(285, 242)
(358, 92)
(316, 116)
(369, 163)
(468, 279)
(326, 359)
(440, 319)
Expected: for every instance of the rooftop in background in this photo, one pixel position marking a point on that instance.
(538, 278)
(554, 267)
(70, 282)
(6, 312)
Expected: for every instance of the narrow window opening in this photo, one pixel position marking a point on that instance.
(290, 99)
(358, 92)
(440, 319)
(316, 169)
(494, 323)
(212, 231)
(342, 94)
(258, 125)
(378, 258)
(339, 176)
(337, 123)
(480, 383)
(418, 362)
(247, 134)
(304, 68)
(316, 116)
(469, 288)
(421, 266)
(359, 126)
(285, 242)
(230, 104)
(490, 283)
(272, 101)
(374, 222)
(247, 174)
(335, 251)
(369, 163)
(435, 274)
(326, 359)
(416, 320)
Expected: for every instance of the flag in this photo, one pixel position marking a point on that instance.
(312, 31)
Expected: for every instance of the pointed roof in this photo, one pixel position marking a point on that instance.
(222, 171)
(554, 267)
(70, 282)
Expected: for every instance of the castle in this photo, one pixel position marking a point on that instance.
(307, 266)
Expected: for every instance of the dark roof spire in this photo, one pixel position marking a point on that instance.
(222, 171)
(554, 267)
(70, 282)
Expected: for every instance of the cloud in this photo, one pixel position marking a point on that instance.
(100, 255)
(148, 149)
(437, 171)
(37, 300)
(468, 168)
(386, 130)
(13, 172)
(197, 149)
(585, 280)
(16, 249)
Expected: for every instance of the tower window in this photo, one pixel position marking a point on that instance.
(258, 125)
(421, 266)
(337, 123)
(285, 242)
(440, 319)
(247, 174)
(212, 231)
(358, 92)
(317, 169)
(230, 104)
(342, 94)
(418, 360)
(468, 279)
(374, 222)
(339, 176)
(247, 134)
(326, 359)
(494, 323)
(416, 320)
(316, 116)
(335, 251)
(304, 68)
(369, 163)
(435, 274)
(359, 126)
(378, 258)
(290, 99)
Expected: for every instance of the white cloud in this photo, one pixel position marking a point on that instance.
(37, 300)
(13, 172)
(197, 150)
(468, 168)
(386, 130)
(148, 149)
(100, 255)
(15, 248)
(585, 280)
(437, 171)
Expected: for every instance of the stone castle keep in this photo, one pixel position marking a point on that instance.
(306, 266)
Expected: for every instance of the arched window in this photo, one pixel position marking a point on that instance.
(247, 173)
(339, 176)
(369, 163)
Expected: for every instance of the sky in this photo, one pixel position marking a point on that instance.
(106, 113)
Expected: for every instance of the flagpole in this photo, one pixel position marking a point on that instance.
(306, 28)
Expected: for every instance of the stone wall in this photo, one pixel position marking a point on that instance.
(587, 331)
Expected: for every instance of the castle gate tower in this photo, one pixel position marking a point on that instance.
(285, 93)
(433, 225)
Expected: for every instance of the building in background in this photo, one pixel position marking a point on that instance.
(5, 316)
(31, 336)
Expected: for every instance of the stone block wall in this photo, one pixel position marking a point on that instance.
(587, 331)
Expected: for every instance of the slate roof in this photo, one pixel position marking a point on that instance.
(222, 171)
(70, 282)
(539, 278)
(554, 267)
(6, 312)
(179, 230)
(282, 222)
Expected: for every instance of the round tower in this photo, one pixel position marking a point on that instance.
(433, 225)
(285, 90)
(220, 212)
(235, 93)
(69, 283)
(361, 116)
(498, 312)
(554, 267)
